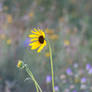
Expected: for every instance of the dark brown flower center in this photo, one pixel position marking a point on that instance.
(41, 39)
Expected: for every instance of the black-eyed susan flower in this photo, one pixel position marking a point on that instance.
(37, 39)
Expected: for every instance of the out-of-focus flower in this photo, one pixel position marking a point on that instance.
(64, 81)
(75, 65)
(48, 79)
(90, 71)
(74, 91)
(25, 18)
(72, 86)
(20, 64)
(66, 42)
(37, 39)
(54, 37)
(56, 88)
(83, 86)
(69, 71)
(83, 80)
(77, 80)
(47, 54)
(76, 75)
(67, 90)
(88, 66)
(62, 77)
(9, 18)
(8, 41)
(2, 36)
(49, 31)
(31, 14)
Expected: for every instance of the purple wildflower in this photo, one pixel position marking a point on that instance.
(56, 88)
(69, 71)
(88, 66)
(48, 79)
(74, 91)
(83, 80)
(90, 71)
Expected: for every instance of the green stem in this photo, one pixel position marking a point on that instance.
(36, 88)
(31, 75)
(52, 72)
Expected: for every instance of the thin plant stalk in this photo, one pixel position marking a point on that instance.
(36, 88)
(31, 75)
(51, 60)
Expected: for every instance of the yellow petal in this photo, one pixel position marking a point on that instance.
(35, 29)
(34, 39)
(33, 43)
(38, 33)
(31, 35)
(41, 47)
(35, 46)
(42, 33)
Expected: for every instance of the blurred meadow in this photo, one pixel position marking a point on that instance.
(67, 24)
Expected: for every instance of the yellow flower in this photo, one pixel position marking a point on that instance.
(77, 80)
(49, 31)
(37, 39)
(19, 64)
(8, 41)
(54, 37)
(66, 42)
(31, 14)
(9, 18)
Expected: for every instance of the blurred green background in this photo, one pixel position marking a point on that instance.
(69, 24)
